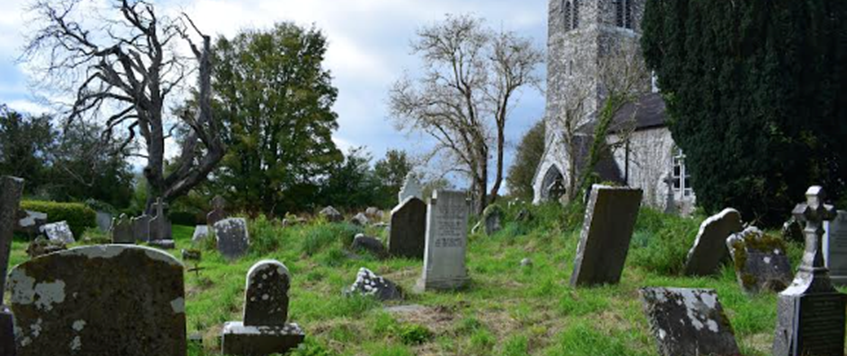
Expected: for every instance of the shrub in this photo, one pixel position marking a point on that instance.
(414, 334)
(78, 215)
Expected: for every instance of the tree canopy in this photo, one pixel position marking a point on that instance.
(528, 156)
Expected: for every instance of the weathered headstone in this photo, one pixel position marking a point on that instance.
(30, 222)
(59, 231)
(141, 228)
(160, 225)
(604, 242)
(121, 230)
(331, 214)
(201, 232)
(373, 213)
(104, 221)
(811, 312)
(492, 218)
(446, 242)
(411, 188)
(360, 219)
(370, 284)
(835, 249)
(218, 212)
(709, 248)
(100, 300)
(42, 246)
(233, 237)
(265, 329)
(760, 261)
(688, 322)
(11, 190)
(369, 244)
(407, 232)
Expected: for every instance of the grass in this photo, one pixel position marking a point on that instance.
(507, 310)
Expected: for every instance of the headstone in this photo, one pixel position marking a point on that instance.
(369, 244)
(331, 214)
(835, 249)
(160, 225)
(121, 230)
(760, 261)
(688, 322)
(218, 212)
(11, 190)
(606, 231)
(411, 188)
(100, 300)
(811, 312)
(407, 232)
(141, 228)
(30, 222)
(201, 232)
(446, 242)
(104, 221)
(163, 244)
(42, 246)
(373, 213)
(370, 284)
(493, 217)
(360, 219)
(709, 248)
(265, 329)
(233, 237)
(792, 231)
(59, 231)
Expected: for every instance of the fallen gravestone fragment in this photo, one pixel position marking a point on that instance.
(688, 322)
(369, 244)
(233, 237)
(59, 231)
(709, 248)
(369, 284)
(407, 232)
(11, 190)
(760, 261)
(100, 300)
(265, 329)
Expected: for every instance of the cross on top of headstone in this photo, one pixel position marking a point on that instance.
(160, 207)
(813, 213)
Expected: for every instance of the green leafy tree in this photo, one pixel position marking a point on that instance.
(25, 145)
(272, 87)
(352, 183)
(527, 158)
(756, 93)
(391, 173)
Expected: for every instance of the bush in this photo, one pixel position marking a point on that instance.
(78, 215)
(661, 242)
(414, 334)
(186, 218)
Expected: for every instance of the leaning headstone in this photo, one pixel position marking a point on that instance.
(411, 188)
(30, 222)
(604, 242)
(369, 244)
(141, 228)
(331, 214)
(446, 242)
(492, 218)
(201, 232)
(709, 248)
(233, 237)
(160, 225)
(11, 190)
(760, 261)
(265, 329)
(121, 230)
(407, 232)
(688, 322)
(218, 212)
(811, 312)
(100, 300)
(59, 231)
(835, 249)
(104, 221)
(370, 284)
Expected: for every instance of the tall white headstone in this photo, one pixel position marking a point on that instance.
(835, 248)
(411, 188)
(446, 242)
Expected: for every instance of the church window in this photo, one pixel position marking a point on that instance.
(623, 13)
(566, 12)
(680, 178)
(575, 14)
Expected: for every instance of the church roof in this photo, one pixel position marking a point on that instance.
(646, 113)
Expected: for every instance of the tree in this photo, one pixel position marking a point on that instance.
(472, 76)
(755, 90)
(25, 145)
(122, 71)
(529, 154)
(278, 98)
(351, 183)
(391, 173)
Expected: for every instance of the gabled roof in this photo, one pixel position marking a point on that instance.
(646, 113)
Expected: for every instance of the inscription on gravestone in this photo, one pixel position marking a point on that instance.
(446, 242)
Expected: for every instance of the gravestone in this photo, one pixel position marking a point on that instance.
(121, 230)
(709, 248)
(835, 249)
(811, 312)
(233, 237)
(446, 242)
(160, 225)
(792, 231)
(42, 246)
(688, 322)
(59, 231)
(606, 231)
(141, 228)
(100, 300)
(104, 221)
(201, 232)
(360, 219)
(30, 222)
(265, 329)
(760, 261)
(218, 212)
(370, 284)
(411, 188)
(492, 218)
(369, 244)
(331, 214)
(11, 190)
(407, 232)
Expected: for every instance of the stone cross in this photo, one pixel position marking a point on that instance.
(813, 213)
(160, 226)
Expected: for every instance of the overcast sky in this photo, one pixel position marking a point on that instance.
(368, 51)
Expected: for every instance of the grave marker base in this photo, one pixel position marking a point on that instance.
(239, 339)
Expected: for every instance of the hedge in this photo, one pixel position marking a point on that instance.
(78, 215)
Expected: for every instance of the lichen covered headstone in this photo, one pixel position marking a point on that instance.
(760, 261)
(11, 190)
(688, 322)
(370, 284)
(233, 237)
(709, 248)
(58, 231)
(265, 329)
(122, 230)
(100, 300)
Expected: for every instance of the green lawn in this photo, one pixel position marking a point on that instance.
(507, 310)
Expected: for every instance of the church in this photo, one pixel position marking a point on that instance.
(580, 33)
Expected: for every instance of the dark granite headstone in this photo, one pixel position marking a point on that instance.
(121, 230)
(688, 322)
(160, 225)
(811, 312)
(407, 232)
(265, 329)
(604, 242)
(59, 231)
(11, 190)
(218, 212)
(100, 300)
(331, 214)
(370, 284)
(233, 237)
(709, 248)
(369, 244)
(141, 228)
(760, 261)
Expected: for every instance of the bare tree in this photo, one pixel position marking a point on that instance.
(122, 70)
(472, 77)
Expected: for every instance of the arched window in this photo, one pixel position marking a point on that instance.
(575, 14)
(566, 14)
(623, 13)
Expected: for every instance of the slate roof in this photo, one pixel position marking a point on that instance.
(646, 113)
